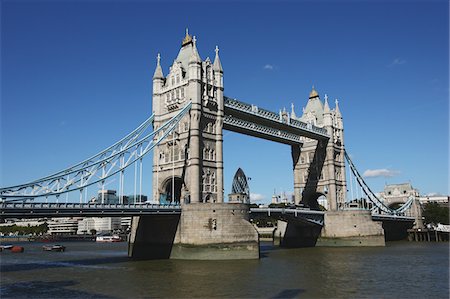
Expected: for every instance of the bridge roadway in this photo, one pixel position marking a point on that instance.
(254, 121)
(312, 217)
(36, 210)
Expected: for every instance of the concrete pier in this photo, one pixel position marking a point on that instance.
(215, 231)
(293, 234)
(351, 228)
(204, 231)
(152, 236)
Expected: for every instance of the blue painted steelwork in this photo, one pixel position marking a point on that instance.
(99, 167)
(313, 217)
(379, 206)
(33, 210)
(251, 117)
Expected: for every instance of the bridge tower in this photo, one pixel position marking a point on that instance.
(188, 164)
(319, 168)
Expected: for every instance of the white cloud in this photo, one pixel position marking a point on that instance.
(397, 61)
(268, 67)
(256, 197)
(373, 173)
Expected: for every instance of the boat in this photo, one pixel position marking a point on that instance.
(59, 248)
(5, 247)
(108, 239)
(17, 249)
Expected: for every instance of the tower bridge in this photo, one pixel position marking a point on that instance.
(185, 134)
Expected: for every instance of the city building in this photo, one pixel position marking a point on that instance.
(63, 226)
(240, 191)
(442, 200)
(99, 225)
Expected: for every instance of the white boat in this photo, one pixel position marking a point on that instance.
(53, 248)
(108, 239)
(4, 247)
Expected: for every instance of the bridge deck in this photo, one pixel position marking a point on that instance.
(36, 210)
(254, 121)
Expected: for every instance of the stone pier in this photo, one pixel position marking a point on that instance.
(204, 231)
(351, 228)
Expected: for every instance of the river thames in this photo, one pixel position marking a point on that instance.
(93, 270)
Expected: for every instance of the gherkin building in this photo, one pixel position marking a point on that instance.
(240, 184)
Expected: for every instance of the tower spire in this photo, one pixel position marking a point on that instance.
(292, 111)
(313, 93)
(187, 39)
(158, 71)
(326, 108)
(195, 57)
(338, 112)
(217, 65)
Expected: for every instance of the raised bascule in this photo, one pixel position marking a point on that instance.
(192, 220)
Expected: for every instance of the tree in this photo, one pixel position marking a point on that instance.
(434, 213)
(93, 231)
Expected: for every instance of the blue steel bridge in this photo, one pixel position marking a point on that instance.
(44, 197)
(183, 142)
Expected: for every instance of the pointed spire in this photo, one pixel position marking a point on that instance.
(338, 112)
(326, 108)
(292, 111)
(313, 93)
(187, 39)
(158, 71)
(217, 65)
(195, 57)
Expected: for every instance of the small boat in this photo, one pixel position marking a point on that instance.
(17, 249)
(5, 247)
(53, 248)
(108, 239)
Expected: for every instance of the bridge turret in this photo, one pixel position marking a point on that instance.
(327, 117)
(158, 83)
(188, 165)
(195, 63)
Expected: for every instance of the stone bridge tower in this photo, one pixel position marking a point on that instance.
(319, 169)
(188, 164)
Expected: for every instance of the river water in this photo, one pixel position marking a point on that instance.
(93, 270)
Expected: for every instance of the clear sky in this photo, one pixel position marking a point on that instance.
(76, 77)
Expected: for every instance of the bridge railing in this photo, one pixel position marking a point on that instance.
(40, 205)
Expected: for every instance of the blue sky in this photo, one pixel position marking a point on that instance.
(76, 77)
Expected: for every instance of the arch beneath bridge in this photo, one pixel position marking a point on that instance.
(312, 200)
(171, 190)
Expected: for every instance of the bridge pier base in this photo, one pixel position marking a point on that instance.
(203, 231)
(152, 236)
(215, 231)
(294, 234)
(351, 228)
